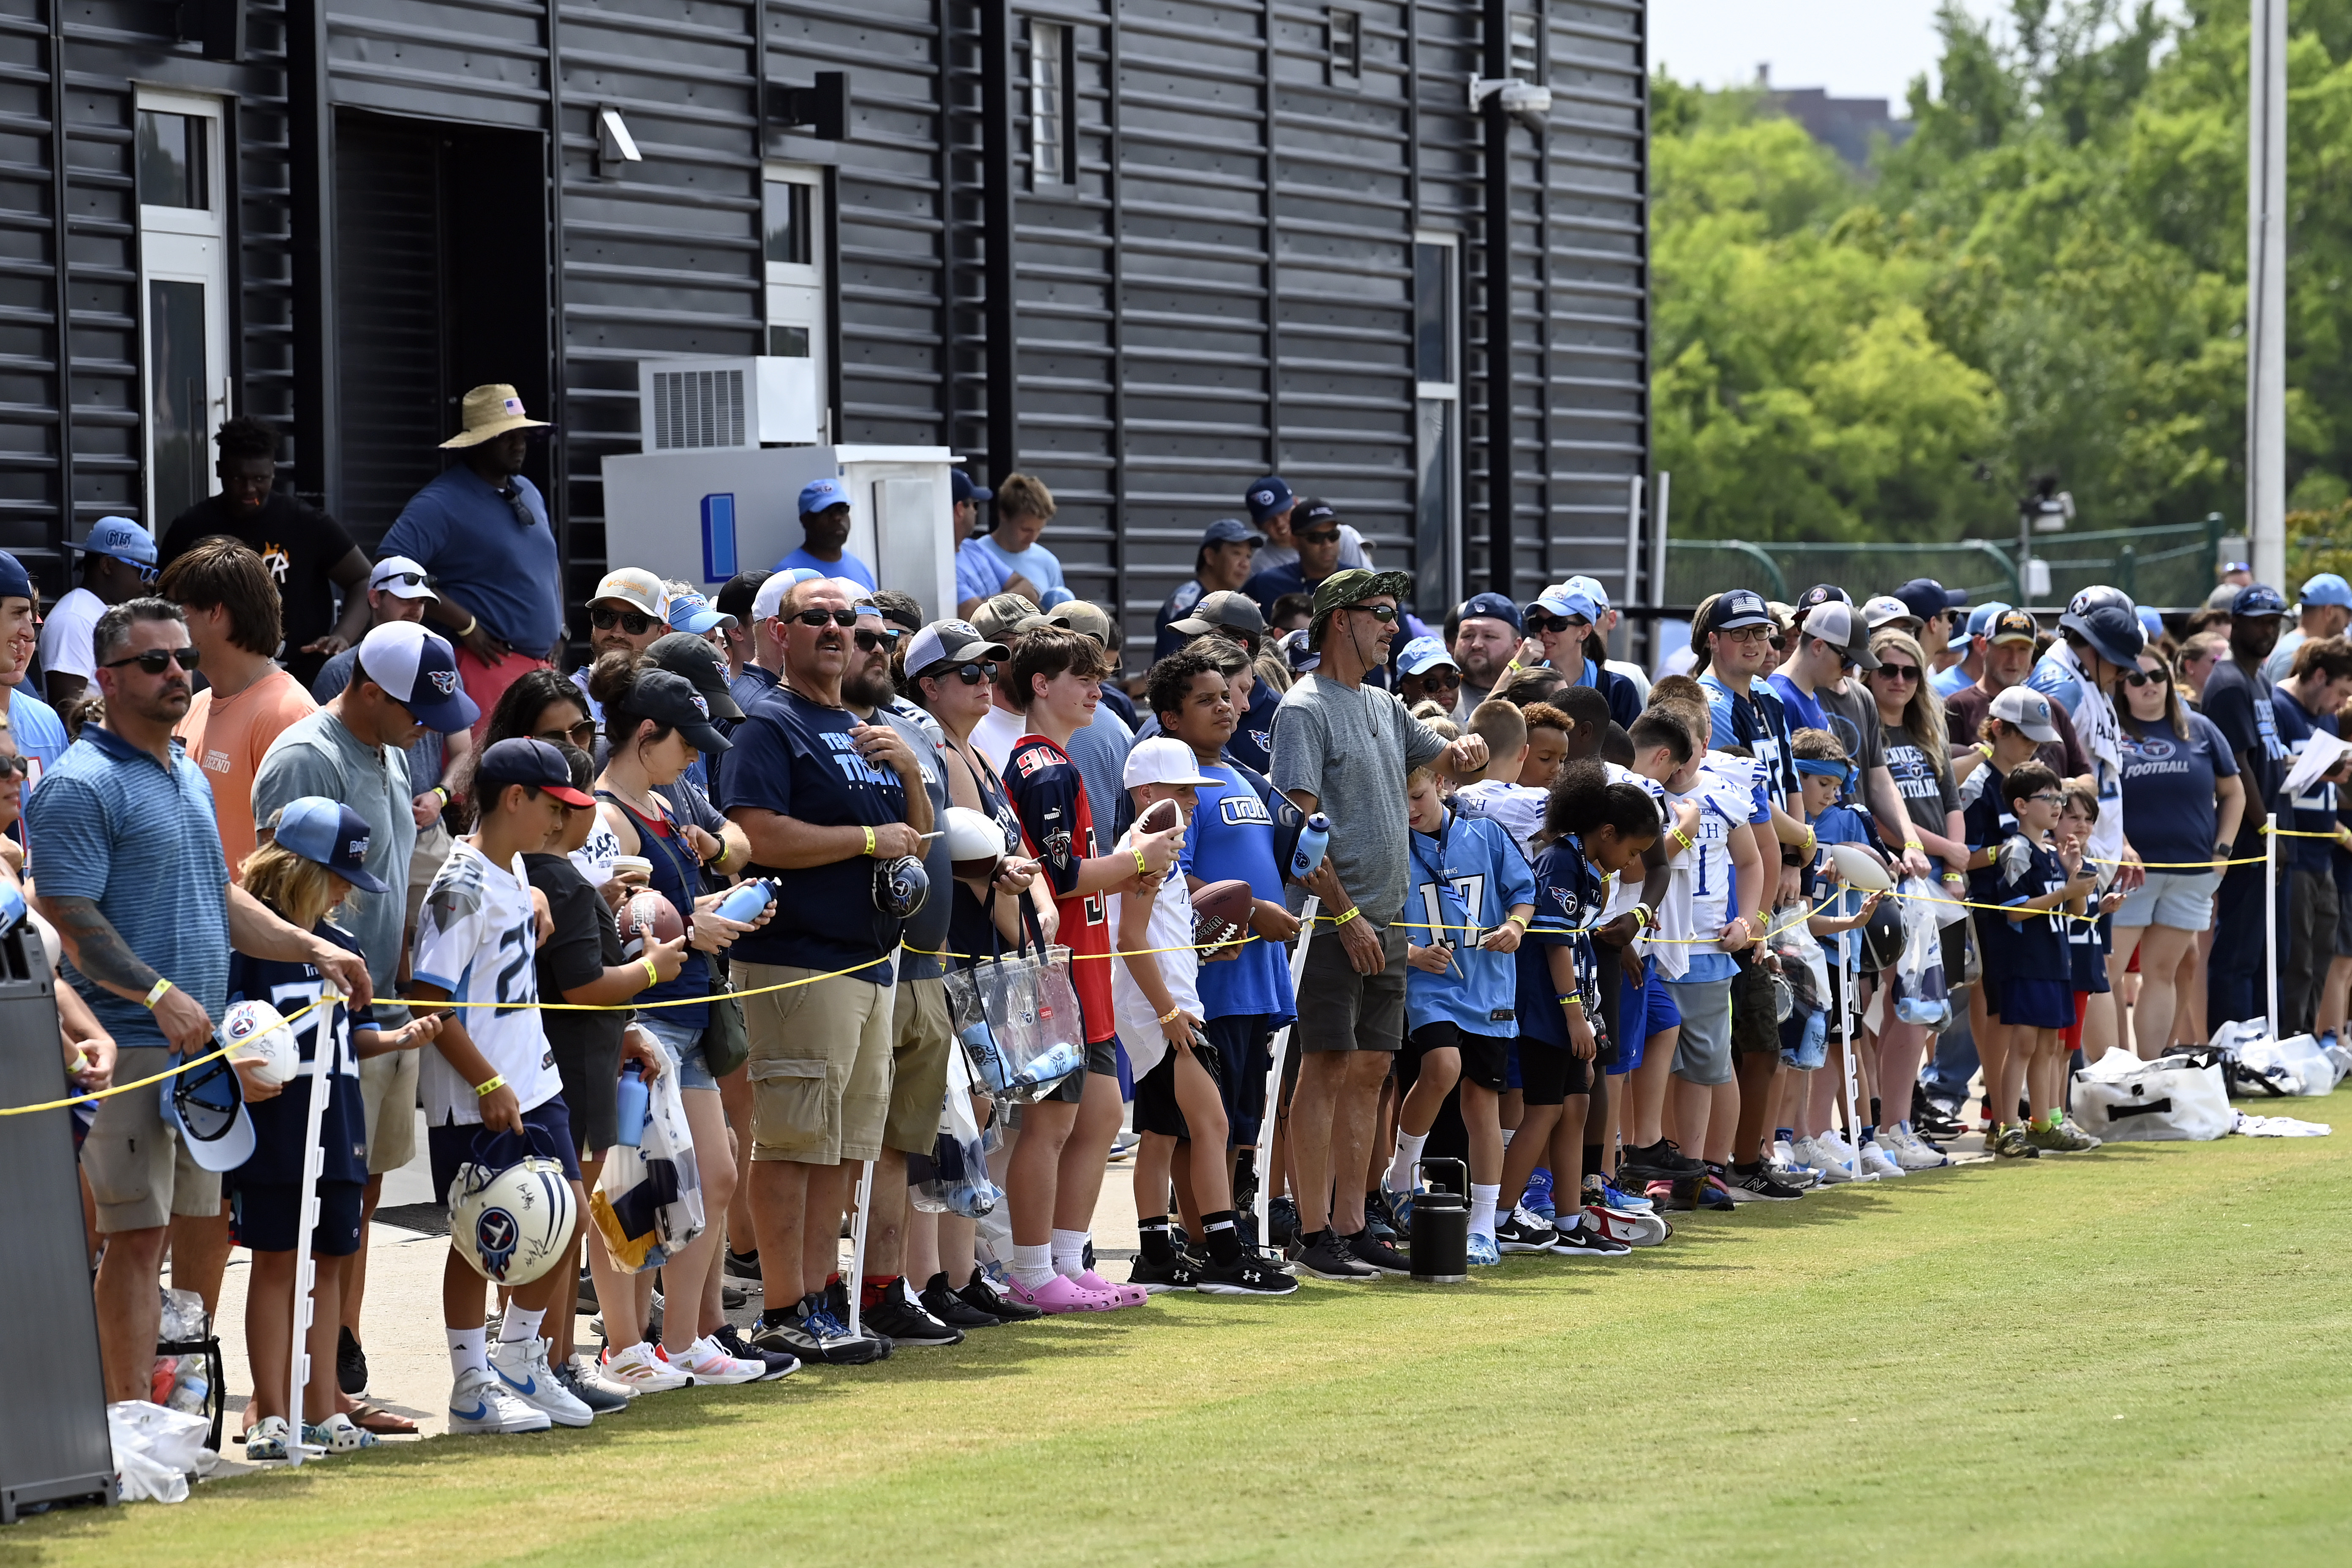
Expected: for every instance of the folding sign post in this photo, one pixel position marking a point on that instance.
(2269, 926)
(1269, 1175)
(297, 1371)
(854, 1287)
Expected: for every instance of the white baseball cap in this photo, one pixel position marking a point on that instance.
(400, 577)
(634, 586)
(769, 602)
(1163, 759)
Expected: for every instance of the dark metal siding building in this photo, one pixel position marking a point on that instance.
(1145, 250)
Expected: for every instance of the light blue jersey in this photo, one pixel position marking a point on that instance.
(1466, 877)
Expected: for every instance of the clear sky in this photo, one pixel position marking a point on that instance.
(1856, 48)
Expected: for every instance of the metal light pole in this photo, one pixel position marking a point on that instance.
(2266, 293)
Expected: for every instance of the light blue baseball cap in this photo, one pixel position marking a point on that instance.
(2327, 588)
(1591, 589)
(1981, 618)
(1422, 655)
(690, 612)
(819, 494)
(122, 538)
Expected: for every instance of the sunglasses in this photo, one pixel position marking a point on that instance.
(13, 763)
(869, 639)
(1899, 671)
(637, 622)
(1446, 677)
(1383, 614)
(2147, 678)
(156, 660)
(1542, 623)
(1319, 536)
(821, 618)
(969, 674)
(405, 579)
(2048, 797)
(579, 734)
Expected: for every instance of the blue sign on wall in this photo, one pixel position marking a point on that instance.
(718, 538)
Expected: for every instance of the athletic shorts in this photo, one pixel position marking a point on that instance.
(140, 1173)
(2181, 900)
(1243, 1060)
(451, 1144)
(591, 1075)
(920, 1038)
(1102, 1061)
(1156, 1109)
(1340, 1010)
(388, 1100)
(265, 1215)
(1755, 1009)
(1482, 1056)
(1647, 1011)
(1702, 1050)
(2343, 868)
(2037, 1003)
(1548, 1074)
(820, 1063)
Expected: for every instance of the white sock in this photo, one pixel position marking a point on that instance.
(519, 1327)
(1483, 1199)
(1033, 1266)
(1409, 1147)
(1069, 1253)
(1506, 1136)
(467, 1350)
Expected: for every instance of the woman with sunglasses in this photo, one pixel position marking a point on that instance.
(539, 705)
(1912, 728)
(2182, 791)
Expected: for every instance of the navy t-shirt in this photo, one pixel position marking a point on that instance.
(2313, 810)
(1252, 740)
(795, 758)
(1568, 905)
(2037, 949)
(2239, 707)
(280, 1122)
(2168, 791)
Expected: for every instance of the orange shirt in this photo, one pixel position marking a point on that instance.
(227, 738)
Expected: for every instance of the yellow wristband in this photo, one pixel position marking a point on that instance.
(869, 839)
(1909, 843)
(155, 993)
(1342, 920)
(484, 1089)
(1142, 868)
(1812, 841)
(1680, 838)
(1170, 1015)
(719, 862)
(653, 975)
(443, 793)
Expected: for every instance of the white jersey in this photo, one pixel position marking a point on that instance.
(1518, 809)
(1170, 928)
(1698, 898)
(477, 938)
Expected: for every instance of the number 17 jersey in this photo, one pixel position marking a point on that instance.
(477, 938)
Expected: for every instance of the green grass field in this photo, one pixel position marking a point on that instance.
(2137, 1356)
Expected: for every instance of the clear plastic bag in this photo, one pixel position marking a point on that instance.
(1018, 1021)
(155, 1449)
(648, 1201)
(957, 1181)
(1922, 994)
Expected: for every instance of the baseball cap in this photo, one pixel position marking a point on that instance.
(819, 495)
(205, 1106)
(1298, 652)
(2219, 599)
(1494, 607)
(687, 655)
(1561, 599)
(2257, 599)
(418, 669)
(636, 586)
(328, 833)
(1835, 624)
(1267, 497)
(689, 611)
(1424, 654)
(1739, 607)
(1228, 531)
(120, 538)
(2327, 588)
(525, 760)
(1163, 759)
(1003, 617)
(1885, 609)
(960, 484)
(2014, 625)
(1981, 619)
(398, 576)
(1314, 513)
(669, 699)
(769, 602)
(1929, 598)
(1821, 593)
(1077, 615)
(740, 594)
(1226, 607)
(950, 642)
(16, 583)
(2027, 710)
(2151, 623)
(1591, 589)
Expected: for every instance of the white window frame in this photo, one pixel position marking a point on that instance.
(186, 245)
(1052, 103)
(801, 294)
(1446, 392)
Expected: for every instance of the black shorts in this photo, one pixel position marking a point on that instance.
(1755, 1009)
(1482, 1056)
(1156, 1109)
(1244, 1059)
(451, 1145)
(1548, 1074)
(267, 1217)
(591, 1075)
(1102, 1061)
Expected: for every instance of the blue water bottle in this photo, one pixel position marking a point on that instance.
(985, 1058)
(630, 1098)
(744, 903)
(1313, 839)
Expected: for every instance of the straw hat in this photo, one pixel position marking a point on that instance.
(490, 411)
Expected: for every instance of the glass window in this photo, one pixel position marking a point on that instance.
(789, 343)
(1049, 104)
(1432, 312)
(788, 240)
(172, 160)
(1347, 48)
(1436, 574)
(177, 383)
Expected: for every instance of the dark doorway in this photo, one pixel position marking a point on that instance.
(441, 265)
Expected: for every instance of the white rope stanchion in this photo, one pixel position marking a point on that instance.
(2269, 926)
(1270, 1175)
(854, 1286)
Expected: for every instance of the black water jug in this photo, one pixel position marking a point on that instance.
(1441, 1228)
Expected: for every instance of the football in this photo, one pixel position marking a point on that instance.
(1159, 817)
(1220, 913)
(641, 914)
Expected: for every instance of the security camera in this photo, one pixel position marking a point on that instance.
(1529, 104)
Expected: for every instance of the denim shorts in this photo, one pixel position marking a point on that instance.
(683, 1043)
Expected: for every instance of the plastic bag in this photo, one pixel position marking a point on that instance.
(1922, 994)
(957, 1181)
(2294, 1066)
(648, 1201)
(155, 1450)
(1804, 966)
(1017, 1019)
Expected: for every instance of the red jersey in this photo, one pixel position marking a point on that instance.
(1048, 792)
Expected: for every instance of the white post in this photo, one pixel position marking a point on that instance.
(1633, 591)
(297, 1369)
(1659, 511)
(1267, 1175)
(1847, 1012)
(855, 1285)
(2266, 293)
(2270, 924)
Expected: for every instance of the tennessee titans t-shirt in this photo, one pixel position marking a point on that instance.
(795, 758)
(1467, 878)
(1232, 840)
(2313, 808)
(1567, 898)
(2168, 791)
(1754, 720)
(280, 1122)
(1252, 740)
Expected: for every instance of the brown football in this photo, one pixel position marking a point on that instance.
(641, 913)
(1159, 817)
(1221, 913)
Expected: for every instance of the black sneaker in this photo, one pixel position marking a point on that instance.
(901, 1319)
(350, 1364)
(827, 1337)
(1663, 1160)
(780, 1363)
(1521, 1231)
(1370, 1250)
(600, 1400)
(1756, 1184)
(1327, 1255)
(1379, 1218)
(731, 1297)
(1176, 1274)
(1281, 1221)
(939, 1300)
(587, 1288)
(789, 1337)
(1246, 1276)
(744, 1267)
(837, 1301)
(1577, 1242)
(981, 1294)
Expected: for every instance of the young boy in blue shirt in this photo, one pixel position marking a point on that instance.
(2039, 885)
(1806, 1106)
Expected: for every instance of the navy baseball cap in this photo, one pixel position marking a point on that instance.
(205, 1106)
(418, 670)
(526, 760)
(964, 489)
(1494, 607)
(1267, 497)
(818, 495)
(1228, 531)
(328, 833)
(2256, 599)
(1739, 607)
(1824, 594)
(1927, 598)
(16, 583)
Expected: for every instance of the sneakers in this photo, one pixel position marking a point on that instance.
(481, 1403)
(1576, 1241)
(1061, 1294)
(1369, 1249)
(2085, 1139)
(1876, 1162)
(350, 1364)
(1790, 1169)
(939, 1300)
(905, 1320)
(1401, 1210)
(1538, 1196)
(710, 1367)
(638, 1370)
(778, 1363)
(742, 1267)
(521, 1365)
(2060, 1140)
(1176, 1274)
(1663, 1160)
(1484, 1250)
(2010, 1144)
(1282, 1220)
(1523, 1231)
(1632, 1229)
(1327, 1255)
(1247, 1274)
(982, 1295)
(588, 1373)
(1120, 1295)
(266, 1439)
(336, 1434)
(1599, 1189)
(1820, 1154)
(825, 1320)
(1911, 1151)
(600, 1397)
(1758, 1185)
(1378, 1221)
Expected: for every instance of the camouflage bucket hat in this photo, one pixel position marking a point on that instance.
(1353, 587)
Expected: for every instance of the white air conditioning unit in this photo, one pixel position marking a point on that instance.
(762, 400)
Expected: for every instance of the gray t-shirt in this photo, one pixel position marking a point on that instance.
(317, 755)
(1854, 720)
(1351, 748)
(1099, 750)
(427, 758)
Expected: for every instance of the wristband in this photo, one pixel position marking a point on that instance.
(1644, 917)
(486, 1087)
(1513, 921)
(468, 629)
(1680, 838)
(155, 993)
(1170, 1015)
(869, 838)
(1142, 866)
(653, 975)
(442, 791)
(719, 863)
(1911, 844)
(1812, 842)
(1564, 1001)
(1342, 920)
(1984, 749)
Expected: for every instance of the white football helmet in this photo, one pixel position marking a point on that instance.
(513, 1222)
(256, 1032)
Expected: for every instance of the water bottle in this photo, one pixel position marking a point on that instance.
(1057, 1063)
(1313, 839)
(744, 902)
(986, 1059)
(190, 1387)
(630, 1098)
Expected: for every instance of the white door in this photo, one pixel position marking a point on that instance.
(797, 253)
(183, 296)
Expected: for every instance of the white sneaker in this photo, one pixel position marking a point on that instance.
(585, 1371)
(1913, 1154)
(521, 1365)
(708, 1365)
(1787, 1168)
(1817, 1154)
(481, 1403)
(639, 1371)
(1876, 1162)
